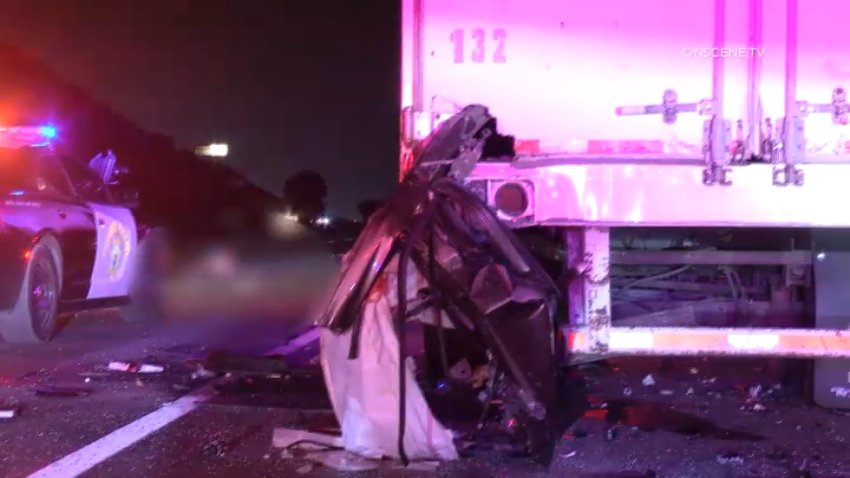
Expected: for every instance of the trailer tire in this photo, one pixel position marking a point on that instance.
(34, 317)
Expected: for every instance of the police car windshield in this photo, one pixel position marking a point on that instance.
(17, 170)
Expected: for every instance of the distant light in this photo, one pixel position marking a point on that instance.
(17, 193)
(48, 131)
(219, 150)
(323, 221)
(214, 150)
(290, 217)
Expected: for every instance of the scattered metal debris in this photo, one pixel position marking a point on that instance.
(648, 381)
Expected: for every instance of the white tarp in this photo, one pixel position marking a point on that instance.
(365, 391)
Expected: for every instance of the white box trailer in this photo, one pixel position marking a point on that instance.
(650, 114)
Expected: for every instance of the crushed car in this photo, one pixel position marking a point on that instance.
(435, 254)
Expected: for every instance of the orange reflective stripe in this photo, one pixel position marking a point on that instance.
(705, 341)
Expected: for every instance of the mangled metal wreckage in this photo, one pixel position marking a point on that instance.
(436, 254)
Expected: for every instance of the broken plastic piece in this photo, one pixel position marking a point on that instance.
(133, 367)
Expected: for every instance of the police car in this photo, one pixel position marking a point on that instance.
(65, 244)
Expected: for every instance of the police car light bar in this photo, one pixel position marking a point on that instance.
(48, 131)
(20, 136)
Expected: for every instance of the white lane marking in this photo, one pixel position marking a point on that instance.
(95, 453)
(100, 450)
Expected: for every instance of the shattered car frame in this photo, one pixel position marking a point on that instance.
(478, 275)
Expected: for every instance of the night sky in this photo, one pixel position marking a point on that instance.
(288, 84)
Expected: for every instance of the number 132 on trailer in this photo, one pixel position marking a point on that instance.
(479, 45)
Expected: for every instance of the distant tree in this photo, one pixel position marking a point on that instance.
(367, 207)
(304, 193)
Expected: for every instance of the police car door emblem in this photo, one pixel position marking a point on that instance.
(116, 250)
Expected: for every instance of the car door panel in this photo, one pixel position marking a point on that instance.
(75, 225)
(116, 255)
(73, 222)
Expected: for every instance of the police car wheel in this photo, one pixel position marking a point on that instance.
(145, 294)
(34, 317)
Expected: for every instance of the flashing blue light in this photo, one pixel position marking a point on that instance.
(48, 131)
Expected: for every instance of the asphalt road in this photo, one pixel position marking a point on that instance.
(701, 418)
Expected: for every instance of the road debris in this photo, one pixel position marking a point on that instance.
(303, 470)
(667, 392)
(730, 458)
(201, 372)
(648, 381)
(345, 461)
(239, 364)
(53, 391)
(570, 454)
(9, 411)
(289, 438)
(134, 367)
(628, 392)
(690, 392)
(694, 371)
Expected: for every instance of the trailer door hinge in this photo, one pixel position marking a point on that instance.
(716, 151)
